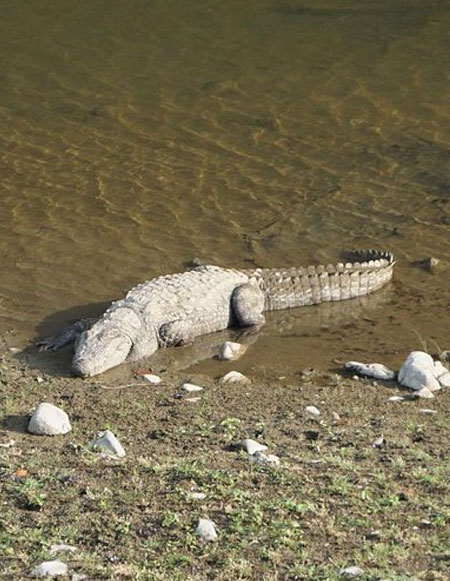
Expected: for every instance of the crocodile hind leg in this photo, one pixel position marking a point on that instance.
(66, 336)
(248, 304)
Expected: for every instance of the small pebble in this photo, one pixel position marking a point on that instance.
(196, 495)
(39, 379)
(49, 420)
(336, 417)
(396, 398)
(427, 411)
(252, 446)
(312, 411)
(431, 264)
(193, 399)
(59, 548)
(107, 443)
(154, 379)
(378, 443)
(234, 377)
(230, 351)
(206, 530)
(351, 572)
(50, 569)
(376, 370)
(445, 356)
(191, 388)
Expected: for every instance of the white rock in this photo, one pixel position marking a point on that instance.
(336, 417)
(442, 374)
(312, 411)
(351, 571)
(376, 370)
(234, 377)
(107, 443)
(427, 411)
(444, 379)
(8, 444)
(206, 530)
(39, 379)
(59, 548)
(418, 372)
(193, 399)
(424, 393)
(378, 443)
(197, 495)
(49, 420)
(191, 388)
(230, 351)
(50, 569)
(261, 458)
(252, 446)
(396, 398)
(79, 577)
(154, 379)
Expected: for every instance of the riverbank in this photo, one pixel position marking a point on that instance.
(363, 484)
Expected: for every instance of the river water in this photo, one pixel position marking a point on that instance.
(138, 135)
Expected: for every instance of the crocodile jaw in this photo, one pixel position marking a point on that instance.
(98, 352)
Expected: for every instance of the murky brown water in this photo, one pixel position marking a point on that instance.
(137, 135)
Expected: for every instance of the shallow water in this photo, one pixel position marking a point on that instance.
(136, 136)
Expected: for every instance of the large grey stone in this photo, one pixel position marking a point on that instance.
(49, 420)
(54, 568)
(418, 372)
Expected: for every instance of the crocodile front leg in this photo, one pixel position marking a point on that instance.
(143, 346)
(66, 336)
(176, 333)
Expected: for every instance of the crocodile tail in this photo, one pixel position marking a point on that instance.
(296, 287)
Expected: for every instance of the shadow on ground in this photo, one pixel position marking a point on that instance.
(15, 423)
(57, 363)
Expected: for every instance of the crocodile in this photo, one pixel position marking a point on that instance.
(173, 309)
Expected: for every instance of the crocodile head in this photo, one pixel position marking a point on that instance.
(99, 350)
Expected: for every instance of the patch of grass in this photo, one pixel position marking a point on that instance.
(29, 493)
(334, 501)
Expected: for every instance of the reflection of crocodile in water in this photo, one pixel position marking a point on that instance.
(174, 309)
